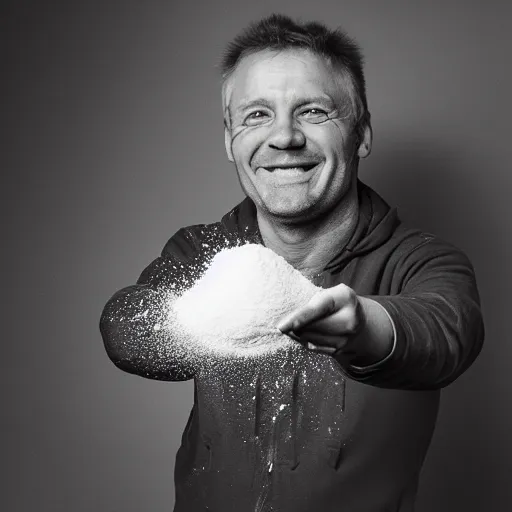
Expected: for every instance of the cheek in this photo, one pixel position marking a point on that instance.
(246, 143)
(346, 137)
(338, 134)
(329, 137)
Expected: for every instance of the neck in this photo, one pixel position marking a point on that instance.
(309, 246)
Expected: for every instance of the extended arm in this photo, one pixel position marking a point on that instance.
(135, 326)
(423, 337)
(438, 322)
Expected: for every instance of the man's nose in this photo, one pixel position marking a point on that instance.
(286, 135)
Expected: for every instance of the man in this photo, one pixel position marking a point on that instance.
(398, 317)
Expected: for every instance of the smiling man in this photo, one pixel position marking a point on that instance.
(397, 319)
(289, 131)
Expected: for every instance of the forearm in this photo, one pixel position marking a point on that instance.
(374, 342)
(437, 321)
(436, 341)
(138, 337)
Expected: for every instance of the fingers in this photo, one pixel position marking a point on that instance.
(321, 339)
(322, 304)
(328, 323)
(320, 349)
(336, 347)
(317, 307)
(318, 342)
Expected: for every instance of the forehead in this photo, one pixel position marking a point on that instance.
(282, 75)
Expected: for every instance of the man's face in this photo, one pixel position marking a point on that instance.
(290, 133)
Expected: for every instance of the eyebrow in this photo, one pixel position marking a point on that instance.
(318, 99)
(261, 102)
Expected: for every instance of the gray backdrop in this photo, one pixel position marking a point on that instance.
(113, 140)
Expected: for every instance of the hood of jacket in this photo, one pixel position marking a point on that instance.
(375, 225)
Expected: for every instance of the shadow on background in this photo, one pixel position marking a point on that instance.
(439, 189)
(106, 144)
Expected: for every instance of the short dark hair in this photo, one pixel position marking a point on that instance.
(279, 32)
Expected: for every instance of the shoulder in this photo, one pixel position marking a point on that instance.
(410, 242)
(417, 254)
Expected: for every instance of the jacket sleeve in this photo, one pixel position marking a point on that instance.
(135, 325)
(437, 318)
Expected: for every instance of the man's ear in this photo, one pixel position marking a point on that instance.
(227, 143)
(365, 146)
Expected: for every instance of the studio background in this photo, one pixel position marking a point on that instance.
(113, 140)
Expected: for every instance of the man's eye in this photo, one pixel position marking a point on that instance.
(315, 115)
(255, 118)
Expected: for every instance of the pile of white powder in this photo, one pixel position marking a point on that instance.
(233, 309)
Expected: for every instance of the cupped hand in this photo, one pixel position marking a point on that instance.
(328, 322)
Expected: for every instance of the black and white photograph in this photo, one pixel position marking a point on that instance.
(258, 256)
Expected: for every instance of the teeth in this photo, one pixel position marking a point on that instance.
(289, 169)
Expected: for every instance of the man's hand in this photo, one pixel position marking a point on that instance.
(338, 322)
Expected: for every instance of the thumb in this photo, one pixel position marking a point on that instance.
(320, 305)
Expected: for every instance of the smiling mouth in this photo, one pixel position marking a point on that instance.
(293, 167)
(288, 175)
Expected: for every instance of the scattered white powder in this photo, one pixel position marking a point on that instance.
(233, 309)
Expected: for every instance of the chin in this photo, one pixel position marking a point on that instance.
(291, 213)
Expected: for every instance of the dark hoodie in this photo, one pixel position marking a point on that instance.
(298, 431)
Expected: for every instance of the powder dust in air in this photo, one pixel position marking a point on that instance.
(233, 309)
